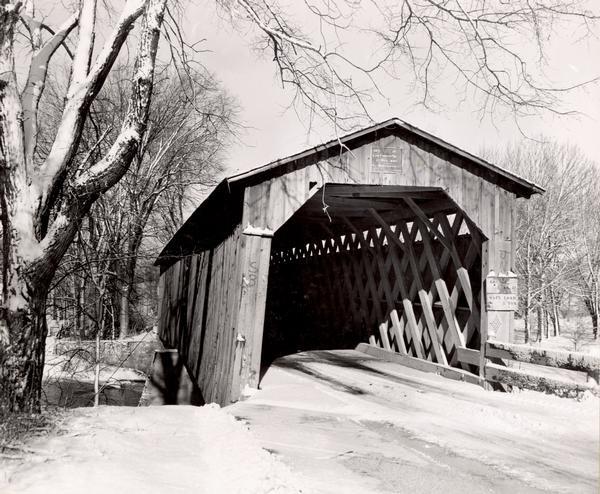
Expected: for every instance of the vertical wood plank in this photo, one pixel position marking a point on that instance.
(255, 256)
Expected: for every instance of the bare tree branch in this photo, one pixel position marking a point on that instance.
(36, 80)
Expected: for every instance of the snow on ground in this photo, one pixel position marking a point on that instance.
(576, 336)
(169, 449)
(565, 343)
(81, 367)
(585, 343)
(325, 422)
(356, 424)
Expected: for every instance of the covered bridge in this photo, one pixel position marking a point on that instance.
(384, 236)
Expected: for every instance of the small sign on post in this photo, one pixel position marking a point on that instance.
(501, 292)
(501, 301)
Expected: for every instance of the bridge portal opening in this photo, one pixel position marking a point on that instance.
(396, 266)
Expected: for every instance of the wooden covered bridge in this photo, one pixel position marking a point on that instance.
(384, 237)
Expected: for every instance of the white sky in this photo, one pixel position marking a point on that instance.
(275, 132)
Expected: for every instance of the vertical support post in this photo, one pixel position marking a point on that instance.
(254, 277)
(503, 320)
(483, 327)
(497, 256)
(512, 260)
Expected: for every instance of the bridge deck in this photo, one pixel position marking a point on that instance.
(352, 423)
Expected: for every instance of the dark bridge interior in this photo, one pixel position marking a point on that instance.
(397, 266)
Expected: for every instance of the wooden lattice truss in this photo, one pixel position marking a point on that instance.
(410, 280)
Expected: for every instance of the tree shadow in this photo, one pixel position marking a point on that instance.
(300, 362)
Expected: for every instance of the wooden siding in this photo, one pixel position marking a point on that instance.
(198, 314)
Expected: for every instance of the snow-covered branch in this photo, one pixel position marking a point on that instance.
(53, 172)
(114, 164)
(85, 45)
(36, 79)
(106, 172)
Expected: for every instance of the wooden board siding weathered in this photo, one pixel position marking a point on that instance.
(198, 315)
(214, 297)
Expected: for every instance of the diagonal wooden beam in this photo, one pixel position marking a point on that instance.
(448, 307)
(419, 213)
(423, 296)
(398, 326)
(411, 319)
(448, 244)
(426, 301)
(345, 284)
(462, 273)
(368, 266)
(385, 287)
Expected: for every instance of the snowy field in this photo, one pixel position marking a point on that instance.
(325, 422)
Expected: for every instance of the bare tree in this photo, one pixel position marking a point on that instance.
(553, 231)
(585, 248)
(491, 50)
(179, 157)
(42, 203)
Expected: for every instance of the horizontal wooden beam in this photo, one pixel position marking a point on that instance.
(574, 361)
(525, 380)
(361, 201)
(391, 191)
(468, 356)
(418, 364)
(314, 207)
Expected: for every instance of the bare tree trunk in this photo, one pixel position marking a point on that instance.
(543, 313)
(54, 309)
(33, 239)
(527, 312)
(81, 304)
(135, 241)
(97, 371)
(75, 305)
(593, 311)
(124, 311)
(552, 310)
(22, 361)
(540, 329)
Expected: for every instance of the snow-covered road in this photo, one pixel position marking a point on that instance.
(351, 423)
(335, 422)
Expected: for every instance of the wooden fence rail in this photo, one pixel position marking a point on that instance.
(572, 361)
(498, 372)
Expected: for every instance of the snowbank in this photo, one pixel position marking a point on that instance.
(169, 449)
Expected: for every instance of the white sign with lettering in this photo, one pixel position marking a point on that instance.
(501, 292)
